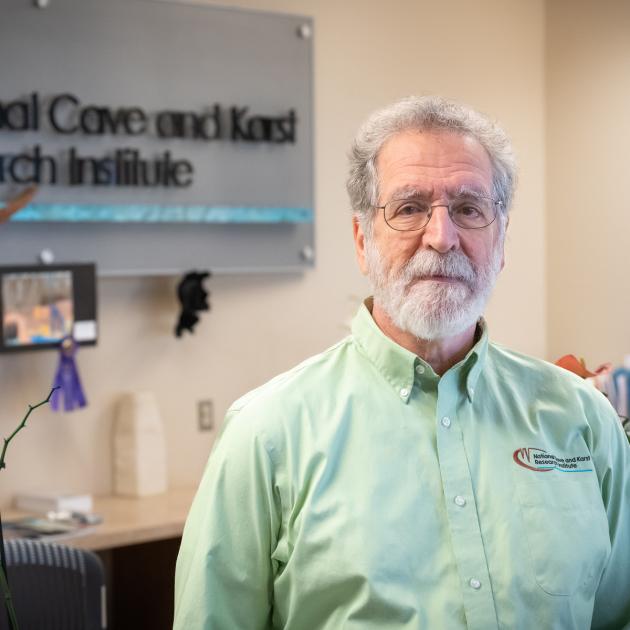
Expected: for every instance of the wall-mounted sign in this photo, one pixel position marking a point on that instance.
(64, 114)
(154, 114)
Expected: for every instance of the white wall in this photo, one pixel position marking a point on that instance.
(489, 53)
(588, 100)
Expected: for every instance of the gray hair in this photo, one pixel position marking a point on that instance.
(425, 113)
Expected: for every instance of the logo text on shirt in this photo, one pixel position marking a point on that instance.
(541, 461)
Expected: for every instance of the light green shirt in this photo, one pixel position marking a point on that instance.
(362, 491)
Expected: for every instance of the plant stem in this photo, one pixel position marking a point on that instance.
(21, 426)
(8, 601)
(4, 583)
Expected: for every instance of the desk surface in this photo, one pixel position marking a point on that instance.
(129, 521)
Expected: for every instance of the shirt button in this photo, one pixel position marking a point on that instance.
(459, 500)
(471, 391)
(475, 583)
(420, 369)
(446, 422)
(404, 392)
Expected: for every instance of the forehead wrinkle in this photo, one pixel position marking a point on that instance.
(431, 164)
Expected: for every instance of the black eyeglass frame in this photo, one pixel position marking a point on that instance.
(495, 202)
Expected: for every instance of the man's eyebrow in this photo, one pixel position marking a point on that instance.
(414, 192)
(407, 192)
(466, 190)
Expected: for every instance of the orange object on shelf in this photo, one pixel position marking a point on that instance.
(573, 364)
(578, 366)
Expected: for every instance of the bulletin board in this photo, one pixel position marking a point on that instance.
(162, 136)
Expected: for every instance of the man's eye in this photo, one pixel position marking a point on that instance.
(468, 211)
(410, 209)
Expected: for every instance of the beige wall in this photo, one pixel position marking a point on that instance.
(489, 53)
(588, 100)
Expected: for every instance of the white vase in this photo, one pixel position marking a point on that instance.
(139, 446)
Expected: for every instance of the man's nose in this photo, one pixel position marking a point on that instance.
(440, 233)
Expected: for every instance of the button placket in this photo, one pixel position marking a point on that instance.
(461, 511)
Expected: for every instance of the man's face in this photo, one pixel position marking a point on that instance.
(433, 282)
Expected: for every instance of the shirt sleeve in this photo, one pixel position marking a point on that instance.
(611, 455)
(224, 573)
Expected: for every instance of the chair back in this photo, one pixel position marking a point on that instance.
(54, 587)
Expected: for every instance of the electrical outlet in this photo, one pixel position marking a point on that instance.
(205, 415)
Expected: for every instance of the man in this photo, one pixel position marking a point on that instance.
(416, 475)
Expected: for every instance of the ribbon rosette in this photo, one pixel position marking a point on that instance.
(67, 378)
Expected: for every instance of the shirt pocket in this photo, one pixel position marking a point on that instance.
(566, 531)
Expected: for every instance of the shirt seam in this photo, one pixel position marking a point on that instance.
(247, 398)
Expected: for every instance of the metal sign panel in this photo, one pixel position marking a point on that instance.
(161, 136)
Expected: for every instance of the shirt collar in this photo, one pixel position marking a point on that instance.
(398, 365)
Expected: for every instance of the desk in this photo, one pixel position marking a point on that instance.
(138, 542)
(132, 521)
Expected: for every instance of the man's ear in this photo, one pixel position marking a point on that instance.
(359, 244)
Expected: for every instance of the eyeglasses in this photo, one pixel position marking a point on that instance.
(469, 213)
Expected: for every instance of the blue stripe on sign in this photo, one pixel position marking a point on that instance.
(137, 213)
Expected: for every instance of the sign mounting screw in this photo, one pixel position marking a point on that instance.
(307, 253)
(305, 31)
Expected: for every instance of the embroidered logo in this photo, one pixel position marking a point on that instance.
(541, 461)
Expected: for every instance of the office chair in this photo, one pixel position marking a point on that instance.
(54, 587)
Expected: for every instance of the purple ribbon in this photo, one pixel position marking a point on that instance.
(67, 378)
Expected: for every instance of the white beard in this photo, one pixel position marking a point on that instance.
(432, 310)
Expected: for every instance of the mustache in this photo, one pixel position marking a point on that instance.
(453, 264)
